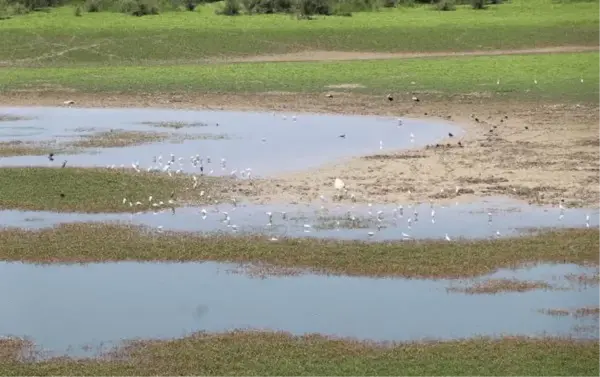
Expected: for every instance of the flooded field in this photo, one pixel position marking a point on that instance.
(64, 308)
(265, 143)
(79, 309)
(492, 218)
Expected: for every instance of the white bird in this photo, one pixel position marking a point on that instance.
(587, 221)
(448, 238)
(338, 184)
(380, 144)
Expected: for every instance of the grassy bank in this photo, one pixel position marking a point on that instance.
(558, 76)
(270, 353)
(110, 242)
(60, 38)
(96, 190)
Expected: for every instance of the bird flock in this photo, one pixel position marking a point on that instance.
(199, 165)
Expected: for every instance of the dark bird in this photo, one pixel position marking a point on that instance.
(64, 164)
(343, 136)
(329, 95)
(460, 144)
(526, 127)
(450, 134)
(172, 194)
(477, 120)
(506, 117)
(390, 98)
(51, 157)
(62, 195)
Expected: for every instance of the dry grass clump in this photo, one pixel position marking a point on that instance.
(24, 148)
(584, 279)
(175, 125)
(11, 118)
(13, 349)
(83, 242)
(96, 190)
(592, 311)
(122, 138)
(492, 286)
(118, 138)
(278, 353)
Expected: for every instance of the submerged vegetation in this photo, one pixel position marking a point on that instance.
(278, 353)
(100, 242)
(492, 286)
(96, 190)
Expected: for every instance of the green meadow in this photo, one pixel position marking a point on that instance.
(241, 353)
(568, 77)
(60, 38)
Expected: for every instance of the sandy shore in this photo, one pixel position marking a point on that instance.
(540, 152)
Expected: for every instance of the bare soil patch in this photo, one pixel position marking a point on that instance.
(317, 55)
(539, 152)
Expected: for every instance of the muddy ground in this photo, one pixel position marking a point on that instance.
(540, 152)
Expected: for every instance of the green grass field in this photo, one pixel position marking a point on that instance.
(59, 38)
(97, 242)
(268, 353)
(96, 190)
(558, 77)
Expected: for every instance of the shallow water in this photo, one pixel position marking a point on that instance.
(309, 141)
(65, 307)
(508, 218)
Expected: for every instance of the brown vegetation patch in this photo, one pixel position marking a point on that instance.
(493, 286)
(104, 242)
(13, 349)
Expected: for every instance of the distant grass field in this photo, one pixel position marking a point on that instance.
(280, 354)
(59, 38)
(559, 77)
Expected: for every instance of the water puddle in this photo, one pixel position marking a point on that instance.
(492, 218)
(267, 143)
(69, 309)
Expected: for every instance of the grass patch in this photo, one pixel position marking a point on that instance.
(492, 286)
(584, 279)
(577, 313)
(98, 242)
(558, 77)
(175, 125)
(22, 148)
(11, 118)
(59, 38)
(95, 190)
(13, 349)
(104, 139)
(279, 353)
(118, 138)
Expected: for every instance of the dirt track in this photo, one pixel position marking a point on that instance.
(313, 56)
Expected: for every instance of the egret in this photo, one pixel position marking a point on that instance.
(447, 237)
